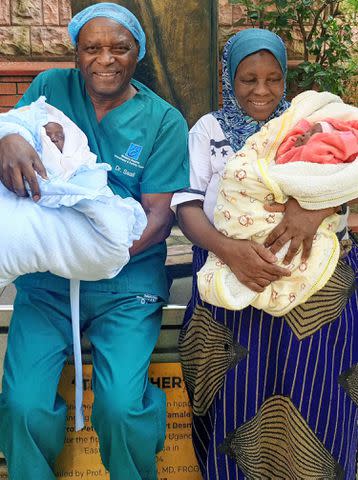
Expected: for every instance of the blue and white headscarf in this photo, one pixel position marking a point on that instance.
(234, 121)
(114, 12)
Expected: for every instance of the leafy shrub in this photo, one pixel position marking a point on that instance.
(324, 30)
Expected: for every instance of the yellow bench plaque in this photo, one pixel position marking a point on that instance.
(80, 457)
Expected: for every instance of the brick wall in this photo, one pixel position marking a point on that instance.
(11, 90)
(229, 18)
(15, 78)
(36, 30)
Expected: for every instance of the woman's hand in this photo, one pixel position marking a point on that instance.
(298, 225)
(19, 161)
(253, 264)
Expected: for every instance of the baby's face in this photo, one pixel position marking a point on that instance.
(56, 134)
(303, 139)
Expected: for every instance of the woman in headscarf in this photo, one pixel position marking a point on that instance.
(271, 398)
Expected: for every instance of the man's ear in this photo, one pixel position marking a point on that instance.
(137, 44)
(76, 56)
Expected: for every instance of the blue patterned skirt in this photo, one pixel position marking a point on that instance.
(274, 398)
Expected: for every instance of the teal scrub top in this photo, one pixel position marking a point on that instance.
(145, 142)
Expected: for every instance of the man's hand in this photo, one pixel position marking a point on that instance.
(19, 162)
(253, 264)
(298, 225)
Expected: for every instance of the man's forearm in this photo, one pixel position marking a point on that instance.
(156, 231)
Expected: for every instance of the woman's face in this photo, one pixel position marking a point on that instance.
(259, 84)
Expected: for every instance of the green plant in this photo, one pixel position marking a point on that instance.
(323, 29)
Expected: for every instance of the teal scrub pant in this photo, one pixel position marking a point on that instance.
(128, 412)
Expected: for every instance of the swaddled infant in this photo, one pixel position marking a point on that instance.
(61, 145)
(99, 227)
(297, 155)
(327, 141)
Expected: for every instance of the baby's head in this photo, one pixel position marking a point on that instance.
(303, 139)
(56, 134)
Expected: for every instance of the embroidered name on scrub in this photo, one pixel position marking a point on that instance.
(130, 158)
(147, 298)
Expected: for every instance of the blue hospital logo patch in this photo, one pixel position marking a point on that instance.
(134, 151)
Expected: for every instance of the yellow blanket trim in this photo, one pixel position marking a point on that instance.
(264, 163)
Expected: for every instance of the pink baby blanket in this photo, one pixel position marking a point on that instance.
(340, 145)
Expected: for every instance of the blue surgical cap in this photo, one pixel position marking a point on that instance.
(251, 41)
(113, 11)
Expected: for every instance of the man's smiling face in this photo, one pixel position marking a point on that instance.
(107, 57)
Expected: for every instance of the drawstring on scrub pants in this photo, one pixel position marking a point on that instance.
(75, 314)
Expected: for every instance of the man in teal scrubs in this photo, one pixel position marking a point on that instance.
(144, 140)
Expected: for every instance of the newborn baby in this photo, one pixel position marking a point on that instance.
(328, 141)
(318, 170)
(56, 134)
(78, 198)
(304, 137)
(61, 145)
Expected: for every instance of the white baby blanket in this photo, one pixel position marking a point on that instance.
(88, 230)
(29, 122)
(252, 178)
(88, 240)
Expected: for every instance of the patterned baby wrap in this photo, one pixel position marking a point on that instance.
(251, 179)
